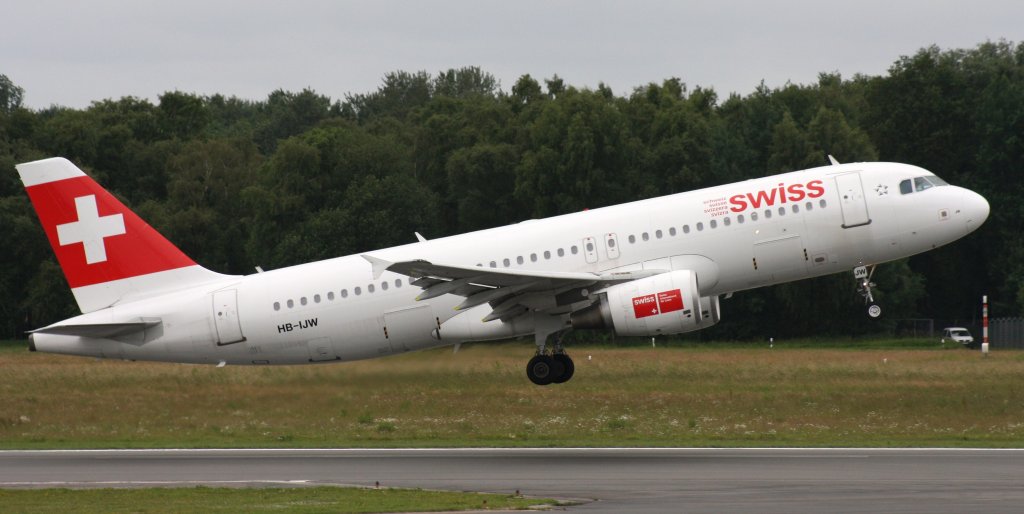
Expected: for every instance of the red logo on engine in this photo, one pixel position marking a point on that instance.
(669, 301)
(646, 305)
(651, 305)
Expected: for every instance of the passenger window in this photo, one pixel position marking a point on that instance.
(714, 223)
(316, 298)
(357, 291)
(796, 208)
(767, 214)
(277, 306)
(782, 211)
(506, 262)
(519, 259)
(657, 233)
(383, 286)
(494, 264)
(290, 303)
(700, 226)
(672, 231)
(330, 296)
(686, 229)
(561, 252)
(370, 288)
(822, 203)
(753, 216)
(739, 218)
(302, 300)
(905, 187)
(809, 206)
(547, 254)
(398, 282)
(726, 221)
(632, 239)
(645, 237)
(574, 250)
(533, 257)
(344, 293)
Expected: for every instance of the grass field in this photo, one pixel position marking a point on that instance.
(833, 394)
(292, 500)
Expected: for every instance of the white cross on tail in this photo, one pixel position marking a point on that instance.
(90, 229)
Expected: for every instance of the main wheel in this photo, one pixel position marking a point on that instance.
(874, 310)
(540, 370)
(568, 368)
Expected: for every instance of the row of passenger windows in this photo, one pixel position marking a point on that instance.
(658, 234)
(317, 298)
(920, 184)
(573, 250)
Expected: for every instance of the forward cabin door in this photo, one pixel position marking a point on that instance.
(851, 200)
(225, 317)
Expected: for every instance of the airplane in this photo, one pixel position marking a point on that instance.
(646, 268)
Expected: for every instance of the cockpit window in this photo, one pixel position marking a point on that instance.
(920, 184)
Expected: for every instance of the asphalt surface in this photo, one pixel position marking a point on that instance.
(617, 480)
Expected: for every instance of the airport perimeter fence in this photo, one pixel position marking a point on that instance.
(1005, 333)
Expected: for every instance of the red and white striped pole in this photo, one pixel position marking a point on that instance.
(984, 324)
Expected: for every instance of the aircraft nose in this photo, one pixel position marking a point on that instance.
(977, 209)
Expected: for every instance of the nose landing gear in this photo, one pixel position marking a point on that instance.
(864, 285)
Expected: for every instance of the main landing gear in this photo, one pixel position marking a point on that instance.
(544, 369)
(550, 367)
(864, 285)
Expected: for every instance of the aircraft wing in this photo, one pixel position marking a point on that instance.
(511, 292)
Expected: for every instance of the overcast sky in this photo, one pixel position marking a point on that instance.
(71, 53)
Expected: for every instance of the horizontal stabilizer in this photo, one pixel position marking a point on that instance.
(100, 330)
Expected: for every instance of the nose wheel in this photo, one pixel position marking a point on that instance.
(864, 284)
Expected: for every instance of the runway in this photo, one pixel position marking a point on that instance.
(617, 480)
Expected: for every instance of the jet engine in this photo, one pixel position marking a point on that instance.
(669, 303)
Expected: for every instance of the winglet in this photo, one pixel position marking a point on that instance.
(833, 160)
(420, 238)
(379, 265)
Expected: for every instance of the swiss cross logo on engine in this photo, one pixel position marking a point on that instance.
(646, 305)
(661, 303)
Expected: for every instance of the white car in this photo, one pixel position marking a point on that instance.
(958, 334)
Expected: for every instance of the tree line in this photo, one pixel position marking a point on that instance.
(300, 176)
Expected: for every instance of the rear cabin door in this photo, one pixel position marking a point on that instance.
(225, 317)
(851, 200)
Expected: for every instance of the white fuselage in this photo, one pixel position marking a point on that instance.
(336, 310)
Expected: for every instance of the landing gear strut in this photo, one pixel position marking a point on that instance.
(550, 367)
(864, 285)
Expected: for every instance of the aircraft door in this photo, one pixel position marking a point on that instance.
(590, 249)
(780, 259)
(225, 317)
(409, 329)
(851, 200)
(611, 245)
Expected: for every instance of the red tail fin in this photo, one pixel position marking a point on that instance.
(106, 251)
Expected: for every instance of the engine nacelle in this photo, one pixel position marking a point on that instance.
(669, 303)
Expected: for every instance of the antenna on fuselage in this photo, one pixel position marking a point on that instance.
(833, 160)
